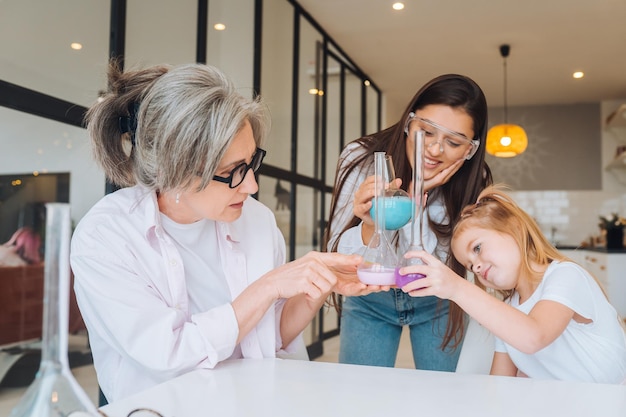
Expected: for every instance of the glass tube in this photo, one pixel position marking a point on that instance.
(55, 392)
(379, 258)
(418, 220)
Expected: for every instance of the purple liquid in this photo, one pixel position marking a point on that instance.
(402, 280)
(385, 276)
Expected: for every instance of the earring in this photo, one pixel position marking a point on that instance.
(177, 198)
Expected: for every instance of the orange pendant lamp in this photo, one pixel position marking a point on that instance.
(506, 140)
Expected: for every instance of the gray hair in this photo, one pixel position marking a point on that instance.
(186, 119)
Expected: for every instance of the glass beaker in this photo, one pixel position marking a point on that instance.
(417, 221)
(397, 202)
(379, 258)
(55, 392)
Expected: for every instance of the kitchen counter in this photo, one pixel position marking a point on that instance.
(599, 249)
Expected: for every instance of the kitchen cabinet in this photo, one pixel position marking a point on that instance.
(610, 270)
(576, 255)
(616, 125)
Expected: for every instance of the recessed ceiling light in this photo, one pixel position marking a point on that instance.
(76, 46)
(578, 74)
(219, 26)
(398, 6)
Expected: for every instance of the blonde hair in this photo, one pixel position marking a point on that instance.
(186, 117)
(495, 210)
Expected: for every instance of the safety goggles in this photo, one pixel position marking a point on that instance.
(453, 144)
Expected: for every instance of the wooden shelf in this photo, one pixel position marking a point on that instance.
(617, 118)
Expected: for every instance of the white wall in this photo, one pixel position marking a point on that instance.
(574, 214)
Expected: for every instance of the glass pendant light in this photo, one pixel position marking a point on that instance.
(506, 140)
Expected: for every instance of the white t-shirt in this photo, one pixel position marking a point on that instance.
(594, 352)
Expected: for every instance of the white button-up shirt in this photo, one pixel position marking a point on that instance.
(131, 288)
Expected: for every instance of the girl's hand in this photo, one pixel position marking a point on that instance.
(443, 176)
(440, 280)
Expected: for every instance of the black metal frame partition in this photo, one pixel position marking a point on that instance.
(39, 104)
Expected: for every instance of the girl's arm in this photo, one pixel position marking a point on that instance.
(502, 365)
(526, 333)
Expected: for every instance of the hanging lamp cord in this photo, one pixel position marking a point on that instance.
(506, 118)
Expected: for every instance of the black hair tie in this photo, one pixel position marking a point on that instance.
(128, 124)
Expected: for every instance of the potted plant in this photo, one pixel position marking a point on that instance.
(613, 226)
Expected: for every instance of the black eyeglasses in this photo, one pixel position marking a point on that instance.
(238, 174)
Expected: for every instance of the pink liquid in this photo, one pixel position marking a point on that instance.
(402, 280)
(384, 276)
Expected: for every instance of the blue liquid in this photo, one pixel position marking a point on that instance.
(402, 280)
(398, 211)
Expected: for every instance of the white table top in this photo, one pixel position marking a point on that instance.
(289, 388)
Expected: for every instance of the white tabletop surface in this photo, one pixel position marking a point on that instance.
(290, 388)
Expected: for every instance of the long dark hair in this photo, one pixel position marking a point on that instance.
(456, 91)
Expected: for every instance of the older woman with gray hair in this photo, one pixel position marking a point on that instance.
(180, 269)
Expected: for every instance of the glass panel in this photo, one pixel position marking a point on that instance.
(307, 220)
(311, 333)
(48, 161)
(331, 316)
(160, 31)
(276, 78)
(309, 100)
(372, 109)
(35, 40)
(232, 49)
(275, 194)
(353, 107)
(45, 146)
(333, 119)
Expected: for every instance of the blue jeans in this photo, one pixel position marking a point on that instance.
(371, 327)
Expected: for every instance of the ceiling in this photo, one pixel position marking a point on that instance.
(549, 39)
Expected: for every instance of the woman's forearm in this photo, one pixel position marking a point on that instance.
(297, 314)
(251, 305)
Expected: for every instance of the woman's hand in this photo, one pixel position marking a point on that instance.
(363, 198)
(344, 267)
(439, 281)
(315, 274)
(363, 203)
(443, 176)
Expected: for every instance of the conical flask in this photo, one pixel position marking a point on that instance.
(417, 221)
(55, 392)
(379, 258)
(397, 202)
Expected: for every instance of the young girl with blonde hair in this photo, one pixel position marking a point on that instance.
(555, 321)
